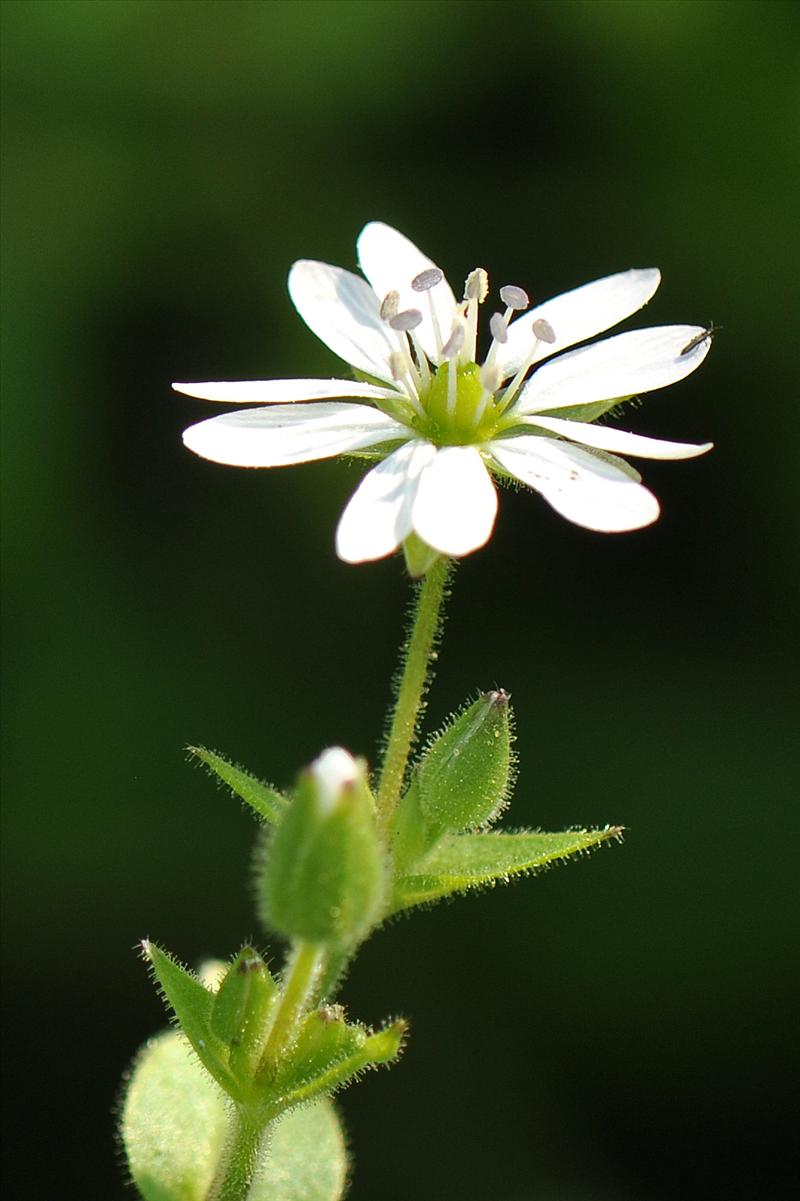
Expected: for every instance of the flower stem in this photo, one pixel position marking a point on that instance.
(241, 1155)
(420, 650)
(299, 981)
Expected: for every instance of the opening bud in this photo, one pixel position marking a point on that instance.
(322, 879)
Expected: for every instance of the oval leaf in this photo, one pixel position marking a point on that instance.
(174, 1123)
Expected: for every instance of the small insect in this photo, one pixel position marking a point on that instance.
(701, 337)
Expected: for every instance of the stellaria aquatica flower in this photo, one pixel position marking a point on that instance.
(442, 425)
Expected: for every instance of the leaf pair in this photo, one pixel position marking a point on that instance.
(437, 852)
(175, 1122)
(228, 1030)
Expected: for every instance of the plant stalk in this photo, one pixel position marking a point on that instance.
(420, 651)
(240, 1159)
(300, 978)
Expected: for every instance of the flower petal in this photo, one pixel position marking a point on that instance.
(378, 515)
(578, 315)
(343, 311)
(456, 502)
(279, 437)
(639, 361)
(608, 437)
(578, 485)
(390, 261)
(282, 391)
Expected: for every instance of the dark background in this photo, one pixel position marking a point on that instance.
(616, 1030)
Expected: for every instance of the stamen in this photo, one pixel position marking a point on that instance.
(497, 328)
(402, 323)
(476, 289)
(408, 319)
(427, 279)
(450, 352)
(390, 305)
(490, 378)
(490, 382)
(453, 343)
(397, 366)
(544, 331)
(477, 285)
(514, 297)
(403, 372)
(422, 360)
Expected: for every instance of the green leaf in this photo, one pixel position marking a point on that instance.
(464, 861)
(192, 1005)
(269, 804)
(174, 1124)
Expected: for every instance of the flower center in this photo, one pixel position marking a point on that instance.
(449, 398)
(457, 416)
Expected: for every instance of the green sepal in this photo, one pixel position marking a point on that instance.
(464, 776)
(419, 557)
(322, 878)
(383, 1047)
(586, 412)
(266, 802)
(192, 1004)
(325, 1038)
(242, 1009)
(174, 1124)
(462, 862)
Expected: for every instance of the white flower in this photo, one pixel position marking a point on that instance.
(441, 424)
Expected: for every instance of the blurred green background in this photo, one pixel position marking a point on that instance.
(616, 1030)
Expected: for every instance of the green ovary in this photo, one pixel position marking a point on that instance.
(457, 428)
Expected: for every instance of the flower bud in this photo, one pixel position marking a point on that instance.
(323, 878)
(324, 1039)
(242, 1008)
(463, 778)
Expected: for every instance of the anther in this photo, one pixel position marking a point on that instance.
(490, 378)
(390, 305)
(514, 297)
(543, 330)
(453, 343)
(408, 319)
(477, 285)
(397, 365)
(427, 279)
(497, 328)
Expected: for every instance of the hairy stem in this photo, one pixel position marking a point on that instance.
(299, 981)
(240, 1158)
(420, 651)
